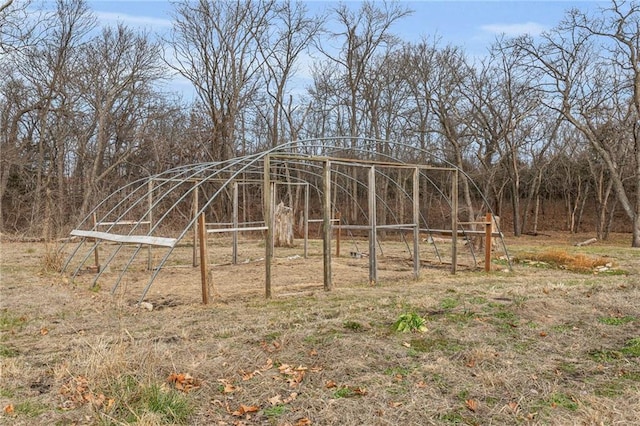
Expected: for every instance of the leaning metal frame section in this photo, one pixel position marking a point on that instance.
(146, 205)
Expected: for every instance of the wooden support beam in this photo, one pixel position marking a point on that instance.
(416, 221)
(373, 231)
(204, 260)
(194, 210)
(488, 240)
(268, 221)
(234, 242)
(130, 239)
(326, 226)
(454, 221)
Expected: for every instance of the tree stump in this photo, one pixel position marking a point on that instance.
(283, 232)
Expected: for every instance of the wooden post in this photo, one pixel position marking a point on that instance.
(268, 244)
(326, 225)
(195, 224)
(338, 233)
(416, 223)
(202, 231)
(306, 220)
(488, 240)
(96, 255)
(150, 200)
(234, 235)
(454, 221)
(373, 231)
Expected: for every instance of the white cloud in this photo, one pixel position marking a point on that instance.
(512, 30)
(131, 20)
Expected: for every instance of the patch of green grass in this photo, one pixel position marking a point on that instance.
(398, 372)
(449, 303)
(616, 320)
(634, 376)
(478, 300)
(6, 393)
(133, 400)
(604, 356)
(7, 352)
(632, 348)
(562, 328)
(9, 321)
(353, 325)
(171, 405)
(271, 337)
(275, 411)
(567, 368)
(562, 400)
(611, 389)
(30, 409)
(452, 418)
(460, 318)
(345, 392)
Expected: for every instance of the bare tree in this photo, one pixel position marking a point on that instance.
(114, 81)
(215, 45)
(589, 69)
(17, 25)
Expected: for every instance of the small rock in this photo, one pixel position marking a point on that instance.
(146, 305)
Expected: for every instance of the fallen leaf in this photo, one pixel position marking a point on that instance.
(471, 363)
(244, 409)
(313, 352)
(44, 331)
(421, 385)
(513, 406)
(8, 409)
(359, 391)
(303, 422)
(268, 365)
(543, 334)
(330, 384)
(292, 397)
(395, 404)
(227, 386)
(472, 404)
(275, 400)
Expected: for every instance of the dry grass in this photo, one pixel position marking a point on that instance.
(561, 258)
(536, 346)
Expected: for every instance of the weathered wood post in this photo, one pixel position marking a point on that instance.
(234, 234)
(306, 220)
(96, 256)
(150, 201)
(326, 225)
(488, 240)
(338, 233)
(373, 232)
(195, 223)
(454, 221)
(416, 223)
(202, 231)
(268, 223)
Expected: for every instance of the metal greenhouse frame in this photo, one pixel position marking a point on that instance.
(139, 213)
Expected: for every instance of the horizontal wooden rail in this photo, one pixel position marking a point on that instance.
(249, 228)
(130, 239)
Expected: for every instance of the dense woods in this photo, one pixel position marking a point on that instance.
(547, 126)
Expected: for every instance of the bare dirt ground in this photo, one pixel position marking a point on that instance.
(539, 345)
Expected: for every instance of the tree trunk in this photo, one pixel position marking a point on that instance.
(283, 235)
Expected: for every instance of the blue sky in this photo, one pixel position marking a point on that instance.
(471, 24)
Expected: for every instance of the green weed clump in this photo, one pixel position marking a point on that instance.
(410, 322)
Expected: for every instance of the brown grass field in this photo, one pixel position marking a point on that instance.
(554, 342)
